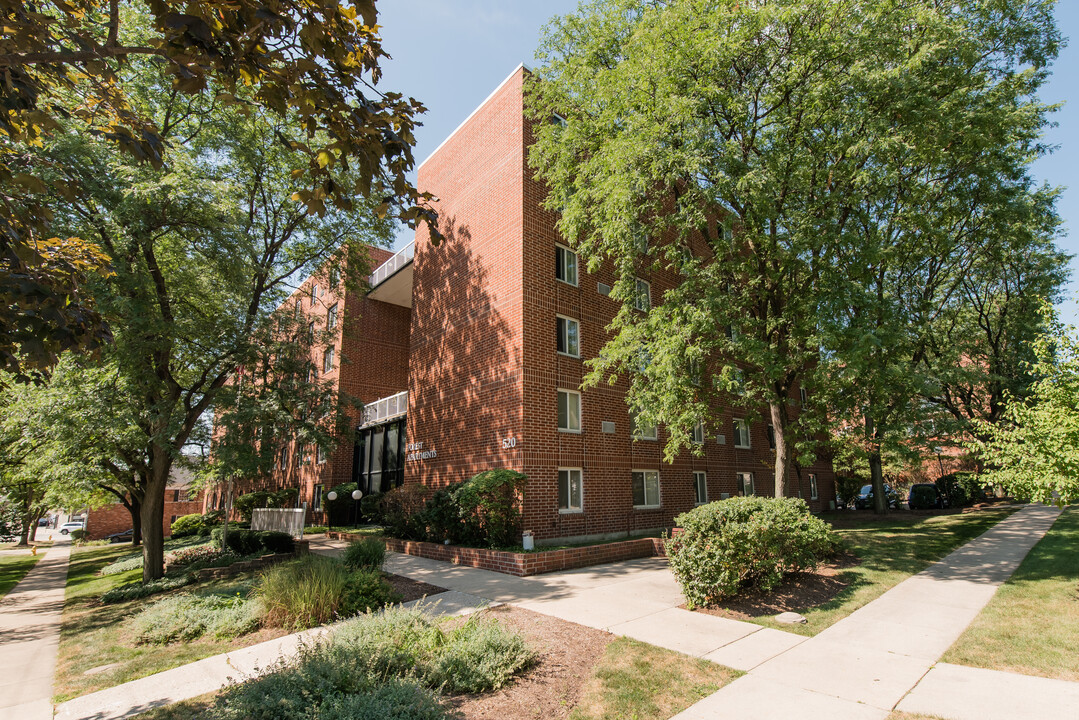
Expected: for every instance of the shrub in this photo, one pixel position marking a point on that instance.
(316, 589)
(187, 525)
(477, 657)
(135, 590)
(492, 498)
(187, 617)
(196, 553)
(369, 507)
(77, 535)
(402, 512)
(240, 540)
(277, 542)
(961, 489)
(744, 542)
(847, 488)
(367, 554)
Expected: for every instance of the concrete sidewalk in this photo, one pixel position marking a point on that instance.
(30, 637)
(865, 664)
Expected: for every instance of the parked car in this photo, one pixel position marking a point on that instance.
(924, 496)
(43, 522)
(120, 537)
(864, 499)
(69, 526)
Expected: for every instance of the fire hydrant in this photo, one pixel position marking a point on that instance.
(33, 549)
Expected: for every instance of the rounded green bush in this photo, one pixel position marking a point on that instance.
(745, 542)
(366, 554)
(187, 525)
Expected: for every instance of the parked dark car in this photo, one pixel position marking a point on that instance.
(43, 522)
(925, 496)
(864, 499)
(120, 537)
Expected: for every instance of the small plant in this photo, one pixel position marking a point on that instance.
(315, 589)
(366, 554)
(186, 617)
(744, 542)
(133, 591)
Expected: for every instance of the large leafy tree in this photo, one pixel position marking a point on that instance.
(795, 160)
(68, 66)
(203, 249)
(1034, 450)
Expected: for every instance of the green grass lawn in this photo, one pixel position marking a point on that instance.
(13, 566)
(891, 549)
(94, 635)
(1031, 625)
(644, 682)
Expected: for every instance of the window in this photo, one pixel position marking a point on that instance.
(803, 396)
(569, 411)
(311, 332)
(645, 488)
(695, 372)
(644, 359)
(314, 294)
(813, 486)
(173, 519)
(698, 433)
(739, 376)
(640, 241)
(316, 498)
(642, 431)
(321, 454)
(335, 277)
(557, 119)
(741, 433)
(565, 265)
(176, 496)
(569, 336)
(745, 483)
(327, 360)
(282, 458)
(569, 490)
(331, 317)
(772, 437)
(700, 487)
(642, 299)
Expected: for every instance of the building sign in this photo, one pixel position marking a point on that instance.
(417, 452)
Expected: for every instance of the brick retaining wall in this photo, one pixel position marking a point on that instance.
(523, 564)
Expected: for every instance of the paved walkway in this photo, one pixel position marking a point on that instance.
(30, 637)
(865, 664)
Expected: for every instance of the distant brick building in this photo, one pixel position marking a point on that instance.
(469, 355)
(180, 500)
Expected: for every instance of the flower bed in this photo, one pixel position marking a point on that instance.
(523, 564)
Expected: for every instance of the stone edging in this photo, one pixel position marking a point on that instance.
(522, 564)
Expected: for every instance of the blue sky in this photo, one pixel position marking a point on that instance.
(450, 55)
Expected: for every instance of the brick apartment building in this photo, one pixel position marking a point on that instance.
(180, 500)
(469, 355)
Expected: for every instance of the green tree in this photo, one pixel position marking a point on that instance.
(68, 68)
(793, 161)
(1034, 451)
(203, 250)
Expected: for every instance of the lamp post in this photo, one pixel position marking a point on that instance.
(356, 495)
(331, 496)
(939, 451)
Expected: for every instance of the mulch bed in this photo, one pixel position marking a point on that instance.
(412, 589)
(566, 654)
(797, 592)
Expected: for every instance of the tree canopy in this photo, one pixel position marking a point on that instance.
(68, 67)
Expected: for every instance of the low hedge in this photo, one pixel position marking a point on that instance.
(745, 542)
(249, 542)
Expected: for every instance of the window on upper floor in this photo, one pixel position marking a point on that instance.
(642, 298)
(331, 317)
(569, 411)
(741, 434)
(565, 265)
(813, 486)
(698, 433)
(642, 431)
(314, 293)
(321, 455)
(327, 360)
(569, 336)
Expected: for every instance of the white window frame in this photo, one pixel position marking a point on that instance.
(700, 487)
(331, 317)
(740, 479)
(639, 431)
(741, 425)
(580, 419)
(321, 455)
(314, 293)
(559, 248)
(813, 492)
(646, 295)
(557, 119)
(562, 324)
(644, 489)
(327, 360)
(739, 382)
(570, 508)
(640, 241)
(316, 497)
(698, 433)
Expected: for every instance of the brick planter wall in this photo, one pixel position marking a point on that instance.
(523, 564)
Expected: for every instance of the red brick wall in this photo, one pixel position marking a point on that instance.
(465, 380)
(114, 518)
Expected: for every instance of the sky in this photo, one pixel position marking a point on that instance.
(451, 54)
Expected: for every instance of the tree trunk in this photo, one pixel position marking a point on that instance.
(876, 467)
(783, 457)
(135, 508)
(153, 513)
